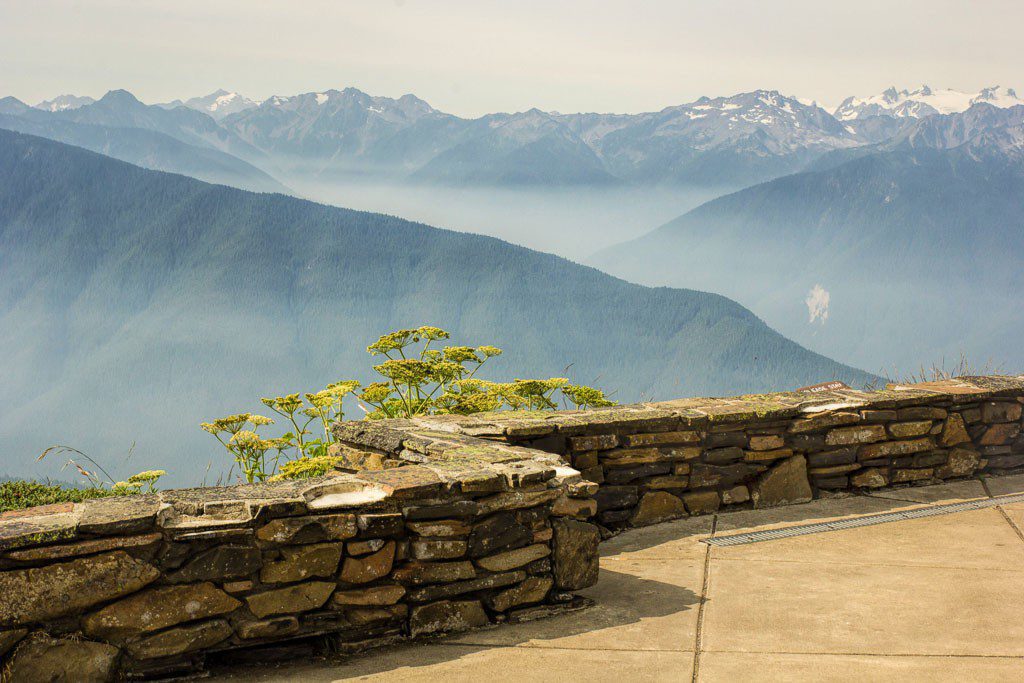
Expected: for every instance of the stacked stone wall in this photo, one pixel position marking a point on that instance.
(695, 465)
(659, 461)
(161, 585)
(651, 476)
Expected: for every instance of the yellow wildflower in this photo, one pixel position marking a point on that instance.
(148, 475)
(461, 354)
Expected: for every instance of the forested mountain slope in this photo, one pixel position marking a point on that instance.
(896, 259)
(134, 304)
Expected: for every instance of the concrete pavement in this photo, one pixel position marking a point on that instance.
(934, 598)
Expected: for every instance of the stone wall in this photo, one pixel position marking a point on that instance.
(660, 461)
(158, 585)
(444, 523)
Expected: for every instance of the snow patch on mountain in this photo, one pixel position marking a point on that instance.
(998, 97)
(64, 102)
(217, 104)
(924, 101)
(818, 301)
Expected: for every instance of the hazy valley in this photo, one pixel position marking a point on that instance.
(177, 301)
(894, 255)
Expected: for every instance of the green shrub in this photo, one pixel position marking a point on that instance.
(419, 380)
(416, 380)
(143, 482)
(306, 467)
(18, 494)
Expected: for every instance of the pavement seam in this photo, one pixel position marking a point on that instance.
(727, 651)
(874, 496)
(527, 646)
(918, 512)
(703, 600)
(984, 485)
(873, 564)
(863, 654)
(1009, 520)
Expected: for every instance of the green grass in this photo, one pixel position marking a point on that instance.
(19, 494)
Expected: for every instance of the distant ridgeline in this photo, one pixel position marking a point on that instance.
(445, 523)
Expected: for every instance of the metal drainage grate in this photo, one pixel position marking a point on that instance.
(868, 520)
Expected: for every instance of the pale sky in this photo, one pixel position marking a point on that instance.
(471, 57)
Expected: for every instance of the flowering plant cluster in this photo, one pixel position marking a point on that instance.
(417, 378)
(420, 380)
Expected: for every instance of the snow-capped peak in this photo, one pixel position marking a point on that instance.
(764, 119)
(335, 102)
(759, 108)
(924, 101)
(225, 100)
(998, 97)
(64, 102)
(217, 104)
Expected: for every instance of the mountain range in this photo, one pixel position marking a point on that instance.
(135, 304)
(347, 135)
(886, 240)
(118, 125)
(726, 141)
(886, 256)
(922, 102)
(905, 103)
(730, 141)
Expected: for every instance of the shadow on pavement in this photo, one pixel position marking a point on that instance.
(622, 598)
